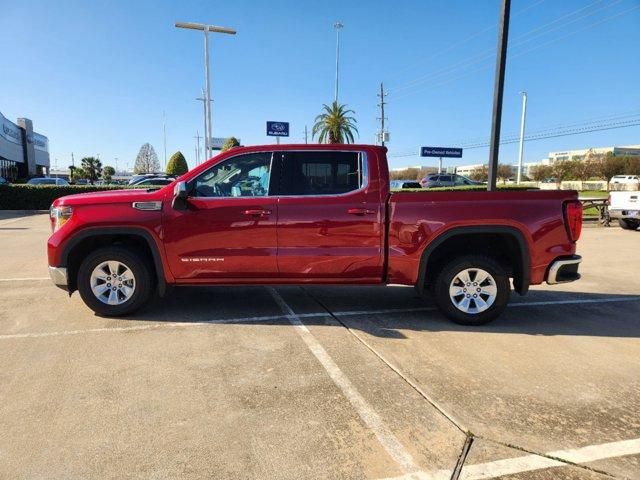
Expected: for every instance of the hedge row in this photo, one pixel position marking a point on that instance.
(40, 197)
(466, 188)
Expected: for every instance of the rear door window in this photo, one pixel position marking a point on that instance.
(321, 173)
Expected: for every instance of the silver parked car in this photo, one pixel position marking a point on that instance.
(47, 181)
(400, 184)
(446, 180)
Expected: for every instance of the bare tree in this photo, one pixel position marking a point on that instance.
(504, 172)
(480, 174)
(606, 166)
(540, 172)
(147, 160)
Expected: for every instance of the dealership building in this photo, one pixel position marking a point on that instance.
(23, 152)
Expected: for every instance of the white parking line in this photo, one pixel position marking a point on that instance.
(268, 318)
(529, 463)
(13, 220)
(185, 324)
(24, 279)
(368, 415)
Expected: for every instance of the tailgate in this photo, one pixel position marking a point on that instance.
(625, 201)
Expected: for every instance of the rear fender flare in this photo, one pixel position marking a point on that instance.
(522, 275)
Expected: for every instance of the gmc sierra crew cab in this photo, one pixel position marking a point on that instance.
(311, 214)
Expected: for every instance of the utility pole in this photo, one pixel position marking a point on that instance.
(522, 122)
(501, 61)
(197, 137)
(338, 26)
(164, 134)
(382, 117)
(207, 94)
(305, 134)
(116, 159)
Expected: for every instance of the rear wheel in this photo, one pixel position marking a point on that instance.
(115, 281)
(628, 224)
(472, 290)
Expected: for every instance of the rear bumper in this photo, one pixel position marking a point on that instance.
(564, 269)
(59, 277)
(619, 213)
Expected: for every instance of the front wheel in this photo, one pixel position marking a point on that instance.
(472, 290)
(115, 281)
(628, 224)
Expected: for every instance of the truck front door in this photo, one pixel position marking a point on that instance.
(229, 228)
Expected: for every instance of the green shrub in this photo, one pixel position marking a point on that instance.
(177, 165)
(40, 197)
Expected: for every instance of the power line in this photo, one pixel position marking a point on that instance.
(531, 138)
(517, 41)
(517, 55)
(557, 127)
(467, 39)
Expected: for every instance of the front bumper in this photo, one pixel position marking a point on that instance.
(59, 277)
(564, 269)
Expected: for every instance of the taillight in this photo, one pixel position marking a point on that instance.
(573, 219)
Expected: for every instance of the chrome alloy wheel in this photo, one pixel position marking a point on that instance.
(473, 290)
(112, 282)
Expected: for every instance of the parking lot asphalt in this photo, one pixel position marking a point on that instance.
(320, 382)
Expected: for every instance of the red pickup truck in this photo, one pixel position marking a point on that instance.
(311, 214)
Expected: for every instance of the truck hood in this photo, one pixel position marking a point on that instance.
(111, 196)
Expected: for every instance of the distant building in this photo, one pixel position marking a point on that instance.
(23, 152)
(467, 170)
(401, 169)
(633, 150)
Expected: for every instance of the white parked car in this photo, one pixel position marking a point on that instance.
(624, 180)
(625, 206)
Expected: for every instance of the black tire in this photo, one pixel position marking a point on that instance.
(444, 279)
(135, 261)
(628, 224)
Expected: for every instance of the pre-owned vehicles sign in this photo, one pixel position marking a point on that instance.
(446, 152)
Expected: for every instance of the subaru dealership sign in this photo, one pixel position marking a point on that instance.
(278, 129)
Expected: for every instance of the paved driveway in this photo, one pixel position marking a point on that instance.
(320, 382)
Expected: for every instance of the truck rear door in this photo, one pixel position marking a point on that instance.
(330, 223)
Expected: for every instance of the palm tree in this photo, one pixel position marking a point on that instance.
(334, 125)
(92, 168)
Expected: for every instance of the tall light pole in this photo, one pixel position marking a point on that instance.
(203, 99)
(338, 26)
(207, 105)
(522, 122)
(164, 135)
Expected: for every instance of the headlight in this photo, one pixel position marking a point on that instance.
(59, 216)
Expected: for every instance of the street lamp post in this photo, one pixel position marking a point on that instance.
(207, 105)
(522, 122)
(338, 26)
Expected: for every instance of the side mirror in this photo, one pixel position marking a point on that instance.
(180, 195)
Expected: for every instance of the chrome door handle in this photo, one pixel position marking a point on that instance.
(360, 211)
(257, 212)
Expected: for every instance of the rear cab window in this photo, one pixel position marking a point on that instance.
(309, 173)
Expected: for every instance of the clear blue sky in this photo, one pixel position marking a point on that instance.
(96, 76)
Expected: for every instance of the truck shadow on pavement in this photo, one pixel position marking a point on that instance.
(388, 312)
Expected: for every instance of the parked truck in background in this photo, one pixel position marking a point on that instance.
(311, 214)
(625, 206)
